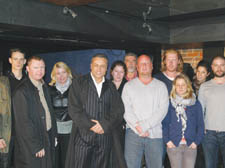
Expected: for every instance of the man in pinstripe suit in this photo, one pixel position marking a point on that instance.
(96, 110)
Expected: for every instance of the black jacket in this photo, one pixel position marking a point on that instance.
(30, 127)
(84, 105)
(60, 104)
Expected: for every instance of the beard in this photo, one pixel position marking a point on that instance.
(131, 69)
(218, 75)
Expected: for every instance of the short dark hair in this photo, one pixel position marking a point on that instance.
(12, 50)
(37, 58)
(218, 56)
(118, 63)
(99, 55)
(205, 64)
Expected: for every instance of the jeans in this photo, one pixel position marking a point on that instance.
(182, 156)
(136, 146)
(212, 143)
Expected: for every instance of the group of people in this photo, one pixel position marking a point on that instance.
(133, 119)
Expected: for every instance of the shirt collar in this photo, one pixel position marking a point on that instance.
(103, 80)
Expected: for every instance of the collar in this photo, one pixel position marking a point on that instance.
(103, 80)
(37, 84)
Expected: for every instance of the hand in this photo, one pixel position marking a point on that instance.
(170, 144)
(193, 146)
(138, 128)
(2, 144)
(97, 128)
(146, 134)
(41, 153)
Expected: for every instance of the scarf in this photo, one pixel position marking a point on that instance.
(63, 88)
(180, 105)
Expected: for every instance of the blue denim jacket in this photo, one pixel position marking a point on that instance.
(172, 129)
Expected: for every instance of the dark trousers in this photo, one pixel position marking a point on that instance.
(91, 156)
(3, 160)
(120, 135)
(61, 150)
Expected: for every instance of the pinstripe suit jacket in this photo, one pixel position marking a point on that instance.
(84, 105)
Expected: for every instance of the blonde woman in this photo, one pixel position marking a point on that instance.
(61, 80)
(183, 126)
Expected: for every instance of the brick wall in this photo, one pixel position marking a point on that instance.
(191, 56)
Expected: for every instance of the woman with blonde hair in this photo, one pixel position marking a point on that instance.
(183, 126)
(59, 88)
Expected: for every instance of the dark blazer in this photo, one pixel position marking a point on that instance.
(84, 105)
(172, 129)
(30, 127)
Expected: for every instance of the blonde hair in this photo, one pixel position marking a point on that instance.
(180, 60)
(189, 92)
(59, 65)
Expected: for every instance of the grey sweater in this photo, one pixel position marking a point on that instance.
(146, 105)
(212, 98)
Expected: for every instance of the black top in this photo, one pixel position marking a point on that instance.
(60, 104)
(169, 83)
(120, 89)
(14, 82)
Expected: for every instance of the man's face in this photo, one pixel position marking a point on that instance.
(144, 66)
(17, 60)
(36, 69)
(218, 67)
(131, 63)
(98, 68)
(171, 62)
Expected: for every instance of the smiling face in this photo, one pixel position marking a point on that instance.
(118, 73)
(36, 69)
(61, 75)
(201, 74)
(98, 68)
(180, 87)
(171, 62)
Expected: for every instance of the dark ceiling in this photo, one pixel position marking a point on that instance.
(46, 26)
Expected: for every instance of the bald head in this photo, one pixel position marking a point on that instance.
(144, 65)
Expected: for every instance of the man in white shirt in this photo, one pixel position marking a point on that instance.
(96, 109)
(146, 103)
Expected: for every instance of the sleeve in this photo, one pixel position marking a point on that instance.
(159, 113)
(116, 112)
(5, 108)
(165, 126)
(200, 124)
(75, 107)
(201, 98)
(129, 115)
(24, 126)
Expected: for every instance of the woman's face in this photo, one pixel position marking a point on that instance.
(201, 74)
(181, 87)
(61, 75)
(118, 73)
